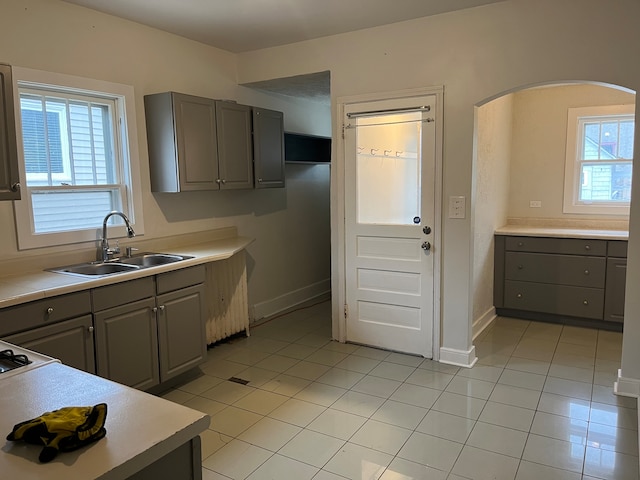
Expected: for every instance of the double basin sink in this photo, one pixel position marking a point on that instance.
(120, 265)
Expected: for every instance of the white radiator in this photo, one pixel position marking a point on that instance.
(226, 297)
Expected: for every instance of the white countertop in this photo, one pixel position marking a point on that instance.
(38, 284)
(141, 428)
(537, 231)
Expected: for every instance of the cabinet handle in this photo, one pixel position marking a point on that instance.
(259, 180)
(520, 267)
(154, 310)
(586, 272)
(49, 310)
(585, 302)
(15, 187)
(224, 181)
(90, 329)
(161, 307)
(218, 181)
(519, 295)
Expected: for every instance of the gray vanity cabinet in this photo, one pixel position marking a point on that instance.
(9, 182)
(235, 151)
(268, 148)
(183, 147)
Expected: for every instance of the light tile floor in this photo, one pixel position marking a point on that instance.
(537, 405)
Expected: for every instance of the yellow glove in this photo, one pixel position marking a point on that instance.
(62, 430)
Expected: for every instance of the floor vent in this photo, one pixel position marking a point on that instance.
(238, 380)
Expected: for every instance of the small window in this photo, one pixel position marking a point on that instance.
(76, 162)
(599, 160)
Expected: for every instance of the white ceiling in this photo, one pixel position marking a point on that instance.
(245, 25)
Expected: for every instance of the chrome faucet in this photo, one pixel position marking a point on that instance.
(107, 252)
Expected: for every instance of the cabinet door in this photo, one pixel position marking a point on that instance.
(614, 290)
(181, 331)
(70, 341)
(235, 151)
(181, 134)
(127, 344)
(9, 183)
(268, 148)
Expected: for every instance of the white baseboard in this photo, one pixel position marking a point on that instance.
(289, 300)
(628, 387)
(460, 358)
(481, 324)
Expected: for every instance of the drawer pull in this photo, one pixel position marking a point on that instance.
(520, 244)
(520, 267)
(587, 247)
(586, 272)
(90, 329)
(585, 302)
(49, 310)
(519, 295)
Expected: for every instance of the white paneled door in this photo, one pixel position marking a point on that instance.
(390, 153)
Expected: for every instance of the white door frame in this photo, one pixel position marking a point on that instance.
(338, 231)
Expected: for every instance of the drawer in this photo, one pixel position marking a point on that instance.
(43, 312)
(185, 277)
(617, 248)
(557, 299)
(567, 246)
(573, 270)
(122, 293)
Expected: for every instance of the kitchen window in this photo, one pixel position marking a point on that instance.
(599, 159)
(77, 163)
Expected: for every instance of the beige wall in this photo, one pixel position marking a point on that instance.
(477, 55)
(539, 145)
(58, 37)
(492, 172)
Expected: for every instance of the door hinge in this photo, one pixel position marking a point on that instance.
(343, 132)
(346, 311)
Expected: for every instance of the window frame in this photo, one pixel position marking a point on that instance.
(573, 171)
(125, 128)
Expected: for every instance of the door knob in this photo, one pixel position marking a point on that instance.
(426, 246)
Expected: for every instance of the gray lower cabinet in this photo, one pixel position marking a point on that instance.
(70, 341)
(60, 327)
(9, 182)
(151, 329)
(268, 148)
(127, 344)
(614, 296)
(556, 278)
(181, 331)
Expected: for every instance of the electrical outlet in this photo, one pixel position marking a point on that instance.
(457, 205)
(535, 203)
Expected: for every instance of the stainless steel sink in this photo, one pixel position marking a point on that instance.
(120, 265)
(152, 259)
(96, 269)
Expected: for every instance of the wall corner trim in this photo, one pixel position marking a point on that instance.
(627, 387)
(460, 358)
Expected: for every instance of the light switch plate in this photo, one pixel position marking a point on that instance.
(457, 206)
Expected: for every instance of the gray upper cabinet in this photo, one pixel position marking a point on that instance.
(183, 148)
(196, 143)
(9, 182)
(268, 148)
(235, 152)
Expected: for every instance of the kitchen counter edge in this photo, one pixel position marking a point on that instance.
(38, 284)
